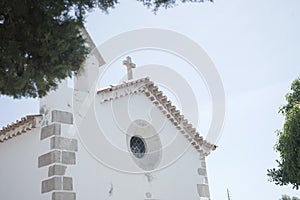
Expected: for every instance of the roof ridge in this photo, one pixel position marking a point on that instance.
(123, 84)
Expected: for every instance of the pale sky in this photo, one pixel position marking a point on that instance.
(255, 47)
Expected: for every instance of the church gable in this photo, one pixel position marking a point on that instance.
(73, 151)
(146, 87)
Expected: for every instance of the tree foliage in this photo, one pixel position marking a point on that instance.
(288, 144)
(40, 45)
(41, 42)
(286, 197)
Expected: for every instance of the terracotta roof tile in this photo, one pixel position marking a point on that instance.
(19, 127)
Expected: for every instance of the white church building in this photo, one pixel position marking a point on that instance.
(125, 141)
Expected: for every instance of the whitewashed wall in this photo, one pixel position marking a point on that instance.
(93, 179)
(19, 172)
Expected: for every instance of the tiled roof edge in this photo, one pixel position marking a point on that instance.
(177, 119)
(19, 127)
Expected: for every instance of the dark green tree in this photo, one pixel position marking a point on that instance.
(41, 43)
(288, 144)
(286, 197)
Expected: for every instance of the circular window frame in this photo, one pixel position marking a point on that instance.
(153, 151)
(138, 155)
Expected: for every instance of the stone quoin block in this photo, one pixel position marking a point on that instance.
(203, 190)
(54, 183)
(53, 129)
(63, 143)
(63, 196)
(57, 170)
(62, 117)
(202, 172)
(49, 158)
(203, 164)
(68, 158)
(67, 183)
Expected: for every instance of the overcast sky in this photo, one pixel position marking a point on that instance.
(256, 49)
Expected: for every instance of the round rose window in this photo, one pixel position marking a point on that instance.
(137, 146)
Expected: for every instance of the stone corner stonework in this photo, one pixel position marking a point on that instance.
(202, 172)
(67, 183)
(62, 117)
(57, 170)
(50, 130)
(202, 187)
(49, 158)
(63, 196)
(203, 190)
(63, 143)
(54, 183)
(62, 152)
(68, 158)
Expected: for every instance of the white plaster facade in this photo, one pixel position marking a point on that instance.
(20, 176)
(79, 148)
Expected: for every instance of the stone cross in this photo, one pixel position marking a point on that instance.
(130, 65)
